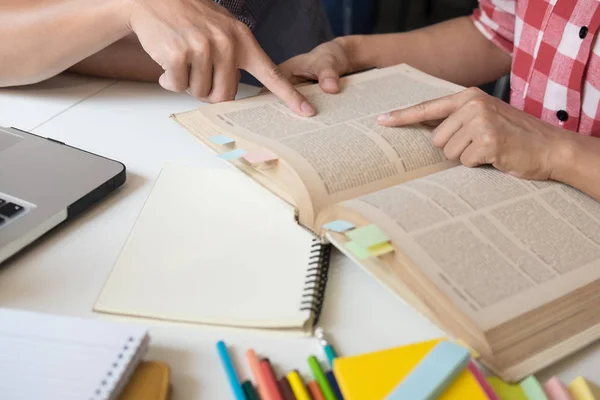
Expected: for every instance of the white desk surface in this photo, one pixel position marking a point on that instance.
(64, 272)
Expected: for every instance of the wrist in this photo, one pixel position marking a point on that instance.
(564, 150)
(126, 9)
(356, 52)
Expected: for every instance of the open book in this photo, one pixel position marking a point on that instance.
(510, 266)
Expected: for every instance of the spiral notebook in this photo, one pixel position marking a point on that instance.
(46, 356)
(212, 246)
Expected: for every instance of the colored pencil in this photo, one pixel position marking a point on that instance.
(334, 385)
(286, 389)
(485, 386)
(321, 378)
(258, 375)
(327, 347)
(315, 391)
(236, 387)
(249, 391)
(270, 380)
(298, 386)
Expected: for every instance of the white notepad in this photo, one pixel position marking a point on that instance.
(213, 246)
(45, 356)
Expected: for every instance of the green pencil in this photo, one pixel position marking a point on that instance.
(321, 379)
(249, 391)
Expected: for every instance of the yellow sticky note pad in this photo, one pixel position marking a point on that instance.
(367, 236)
(381, 249)
(506, 391)
(374, 375)
(582, 389)
(357, 251)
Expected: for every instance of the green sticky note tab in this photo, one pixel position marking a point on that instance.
(357, 250)
(233, 154)
(532, 388)
(367, 236)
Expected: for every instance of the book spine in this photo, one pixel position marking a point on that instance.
(316, 279)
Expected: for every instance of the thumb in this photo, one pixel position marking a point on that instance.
(329, 80)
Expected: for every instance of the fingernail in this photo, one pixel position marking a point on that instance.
(384, 117)
(330, 83)
(307, 109)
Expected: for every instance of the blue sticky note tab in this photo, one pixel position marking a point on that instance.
(233, 154)
(221, 139)
(430, 378)
(339, 226)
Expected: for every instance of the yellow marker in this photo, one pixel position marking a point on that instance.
(298, 386)
(583, 389)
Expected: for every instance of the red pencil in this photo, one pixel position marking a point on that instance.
(259, 377)
(270, 380)
(315, 391)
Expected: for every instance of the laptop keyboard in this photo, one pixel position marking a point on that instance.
(9, 210)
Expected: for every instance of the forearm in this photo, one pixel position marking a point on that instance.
(125, 59)
(43, 38)
(454, 50)
(576, 162)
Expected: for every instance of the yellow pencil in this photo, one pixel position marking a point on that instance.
(298, 386)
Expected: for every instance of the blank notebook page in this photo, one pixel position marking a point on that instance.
(45, 356)
(212, 246)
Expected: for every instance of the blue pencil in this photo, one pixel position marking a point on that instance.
(334, 385)
(234, 382)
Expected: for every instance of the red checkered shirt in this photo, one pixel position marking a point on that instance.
(555, 72)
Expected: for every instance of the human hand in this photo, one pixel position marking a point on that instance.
(201, 48)
(325, 63)
(479, 129)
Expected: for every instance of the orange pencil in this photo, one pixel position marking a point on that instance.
(315, 391)
(270, 380)
(258, 374)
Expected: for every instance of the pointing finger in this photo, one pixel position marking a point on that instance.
(263, 69)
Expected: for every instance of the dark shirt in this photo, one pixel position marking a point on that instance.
(284, 28)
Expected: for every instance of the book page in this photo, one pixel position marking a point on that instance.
(342, 152)
(496, 245)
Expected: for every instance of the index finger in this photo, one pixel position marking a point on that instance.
(264, 69)
(430, 110)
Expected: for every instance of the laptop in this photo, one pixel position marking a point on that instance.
(43, 183)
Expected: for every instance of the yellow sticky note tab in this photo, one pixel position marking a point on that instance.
(381, 249)
(367, 236)
(357, 251)
(506, 391)
(464, 344)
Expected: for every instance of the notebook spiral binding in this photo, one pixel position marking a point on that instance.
(316, 279)
(116, 373)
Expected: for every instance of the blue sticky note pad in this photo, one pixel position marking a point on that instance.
(233, 154)
(338, 226)
(221, 139)
(430, 378)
